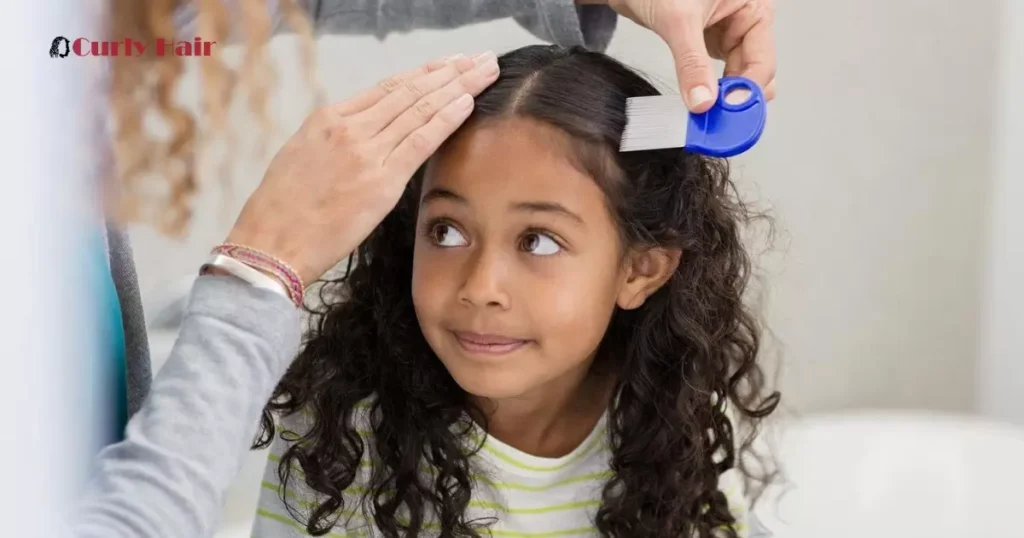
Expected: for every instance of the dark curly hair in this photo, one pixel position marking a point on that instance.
(686, 360)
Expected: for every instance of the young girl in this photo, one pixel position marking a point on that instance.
(546, 337)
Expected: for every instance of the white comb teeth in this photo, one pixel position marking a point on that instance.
(732, 125)
(655, 122)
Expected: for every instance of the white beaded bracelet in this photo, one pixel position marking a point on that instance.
(248, 274)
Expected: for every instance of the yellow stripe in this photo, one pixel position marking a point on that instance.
(486, 480)
(289, 521)
(509, 459)
(553, 485)
(538, 510)
(739, 527)
(477, 504)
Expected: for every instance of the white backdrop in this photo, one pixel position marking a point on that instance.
(1001, 361)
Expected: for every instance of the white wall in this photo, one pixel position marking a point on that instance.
(876, 163)
(1001, 360)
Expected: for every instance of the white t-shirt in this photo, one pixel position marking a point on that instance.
(528, 496)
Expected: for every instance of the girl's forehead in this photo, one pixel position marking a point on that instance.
(478, 182)
(506, 149)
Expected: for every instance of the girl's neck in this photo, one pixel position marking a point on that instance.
(552, 420)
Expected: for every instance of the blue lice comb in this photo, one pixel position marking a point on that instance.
(726, 130)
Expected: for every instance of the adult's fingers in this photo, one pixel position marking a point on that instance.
(728, 34)
(371, 96)
(427, 106)
(725, 8)
(406, 94)
(750, 40)
(416, 148)
(684, 34)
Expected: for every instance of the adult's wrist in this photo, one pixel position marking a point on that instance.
(284, 249)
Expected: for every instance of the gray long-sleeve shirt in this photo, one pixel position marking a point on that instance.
(183, 448)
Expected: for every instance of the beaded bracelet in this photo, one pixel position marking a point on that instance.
(244, 272)
(269, 264)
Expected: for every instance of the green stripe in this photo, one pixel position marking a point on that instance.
(553, 485)
(346, 514)
(538, 510)
(511, 534)
(476, 504)
(509, 459)
(487, 480)
(475, 437)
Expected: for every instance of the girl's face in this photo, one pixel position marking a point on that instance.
(517, 265)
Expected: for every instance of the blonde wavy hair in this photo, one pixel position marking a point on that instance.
(155, 174)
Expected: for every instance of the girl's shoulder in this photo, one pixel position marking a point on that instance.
(731, 485)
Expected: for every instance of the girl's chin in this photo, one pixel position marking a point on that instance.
(490, 384)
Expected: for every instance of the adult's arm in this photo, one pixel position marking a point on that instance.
(183, 449)
(562, 22)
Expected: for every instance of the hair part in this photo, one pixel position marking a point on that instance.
(689, 380)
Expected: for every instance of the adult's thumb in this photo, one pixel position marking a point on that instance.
(684, 35)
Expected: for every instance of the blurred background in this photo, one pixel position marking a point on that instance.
(894, 288)
(895, 276)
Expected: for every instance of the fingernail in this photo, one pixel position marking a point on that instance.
(485, 57)
(455, 57)
(699, 96)
(488, 69)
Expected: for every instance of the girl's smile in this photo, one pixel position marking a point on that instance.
(488, 344)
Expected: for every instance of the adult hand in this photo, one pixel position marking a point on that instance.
(337, 178)
(741, 32)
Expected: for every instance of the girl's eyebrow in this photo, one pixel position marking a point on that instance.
(442, 194)
(547, 207)
(532, 207)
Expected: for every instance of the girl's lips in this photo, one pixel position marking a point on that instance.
(488, 343)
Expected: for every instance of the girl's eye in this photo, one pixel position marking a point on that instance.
(445, 235)
(539, 244)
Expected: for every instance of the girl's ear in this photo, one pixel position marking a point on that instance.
(646, 272)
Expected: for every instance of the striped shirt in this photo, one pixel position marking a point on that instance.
(525, 496)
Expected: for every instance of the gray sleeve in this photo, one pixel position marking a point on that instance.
(556, 21)
(561, 22)
(183, 449)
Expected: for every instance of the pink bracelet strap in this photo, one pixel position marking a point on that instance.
(267, 263)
